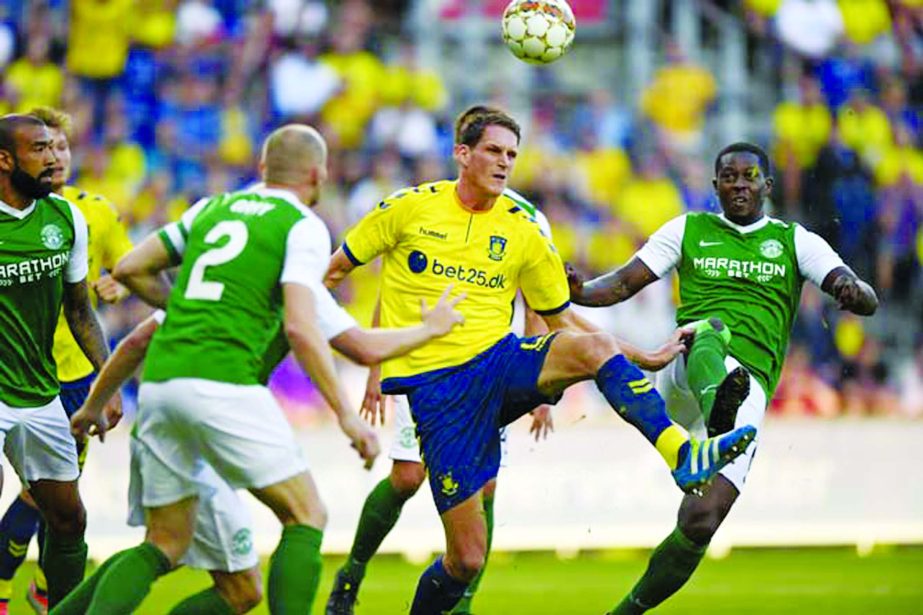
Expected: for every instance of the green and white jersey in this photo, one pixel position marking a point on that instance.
(748, 276)
(529, 208)
(41, 248)
(236, 250)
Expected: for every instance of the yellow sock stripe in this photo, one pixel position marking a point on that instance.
(715, 450)
(16, 549)
(668, 443)
(6, 590)
(642, 389)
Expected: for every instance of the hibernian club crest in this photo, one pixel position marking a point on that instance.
(771, 248)
(52, 236)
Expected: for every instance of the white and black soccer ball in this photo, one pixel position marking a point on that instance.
(538, 31)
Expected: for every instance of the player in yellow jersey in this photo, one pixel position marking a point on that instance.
(108, 242)
(465, 386)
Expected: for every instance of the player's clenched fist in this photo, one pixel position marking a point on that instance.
(362, 438)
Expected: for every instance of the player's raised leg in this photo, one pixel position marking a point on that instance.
(574, 356)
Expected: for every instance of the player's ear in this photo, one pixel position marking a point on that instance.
(6, 161)
(462, 154)
(769, 184)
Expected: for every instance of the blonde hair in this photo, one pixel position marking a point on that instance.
(54, 118)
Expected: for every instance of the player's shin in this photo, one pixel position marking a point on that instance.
(64, 562)
(208, 601)
(17, 527)
(294, 570)
(127, 582)
(78, 601)
(464, 605)
(381, 511)
(705, 368)
(671, 564)
(437, 591)
(634, 398)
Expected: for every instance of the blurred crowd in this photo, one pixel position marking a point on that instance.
(171, 99)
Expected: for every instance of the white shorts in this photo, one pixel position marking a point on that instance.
(405, 446)
(38, 442)
(681, 404)
(239, 430)
(223, 539)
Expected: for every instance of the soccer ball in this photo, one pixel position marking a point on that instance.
(538, 31)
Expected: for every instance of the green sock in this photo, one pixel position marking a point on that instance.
(64, 562)
(464, 605)
(123, 587)
(380, 512)
(294, 570)
(671, 564)
(208, 601)
(77, 602)
(705, 365)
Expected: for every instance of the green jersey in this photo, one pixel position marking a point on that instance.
(748, 276)
(41, 248)
(236, 251)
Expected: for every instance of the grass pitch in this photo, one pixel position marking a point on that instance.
(810, 581)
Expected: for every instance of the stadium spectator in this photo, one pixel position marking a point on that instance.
(300, 85)
(801, 391)
(865, 20)
(36, 80)
(97, 49)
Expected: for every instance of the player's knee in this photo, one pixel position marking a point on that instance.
(243, 591)
(699, 525)
(466, 563)
(304, 513)
(406, 478)
(597, 349)
(70, 521)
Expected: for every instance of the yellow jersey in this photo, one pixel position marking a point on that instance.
(108, 242)
(429, 240)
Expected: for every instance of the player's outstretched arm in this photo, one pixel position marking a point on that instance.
(313, 354)
(338, 269)
(372, 346)
(850, 292)
(125, 359)
(610, 288)
(141, 271)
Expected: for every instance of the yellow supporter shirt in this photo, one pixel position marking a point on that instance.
(38, 86)
(99, 37)
(429, 240)
(108, 242)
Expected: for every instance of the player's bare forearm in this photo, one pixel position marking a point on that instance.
(338, 269)
(120, 366)
(610, 288)
(141, 271)
(84, 324)
(850, 292)
(310, 348)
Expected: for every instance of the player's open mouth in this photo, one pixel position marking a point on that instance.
(741, 199)
(500, 176)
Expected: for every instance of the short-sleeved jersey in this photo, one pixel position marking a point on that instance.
(430, 240)
(748, 276)
(236, 250)
(107, 243)
(41, 248)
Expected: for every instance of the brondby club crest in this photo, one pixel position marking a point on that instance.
(497, 248)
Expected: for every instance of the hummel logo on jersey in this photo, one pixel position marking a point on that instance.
(708, 244)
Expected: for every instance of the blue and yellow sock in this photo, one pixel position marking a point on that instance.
(634, 398)
(437, 591)
(17, 527)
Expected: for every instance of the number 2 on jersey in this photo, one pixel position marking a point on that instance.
(200, 288)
